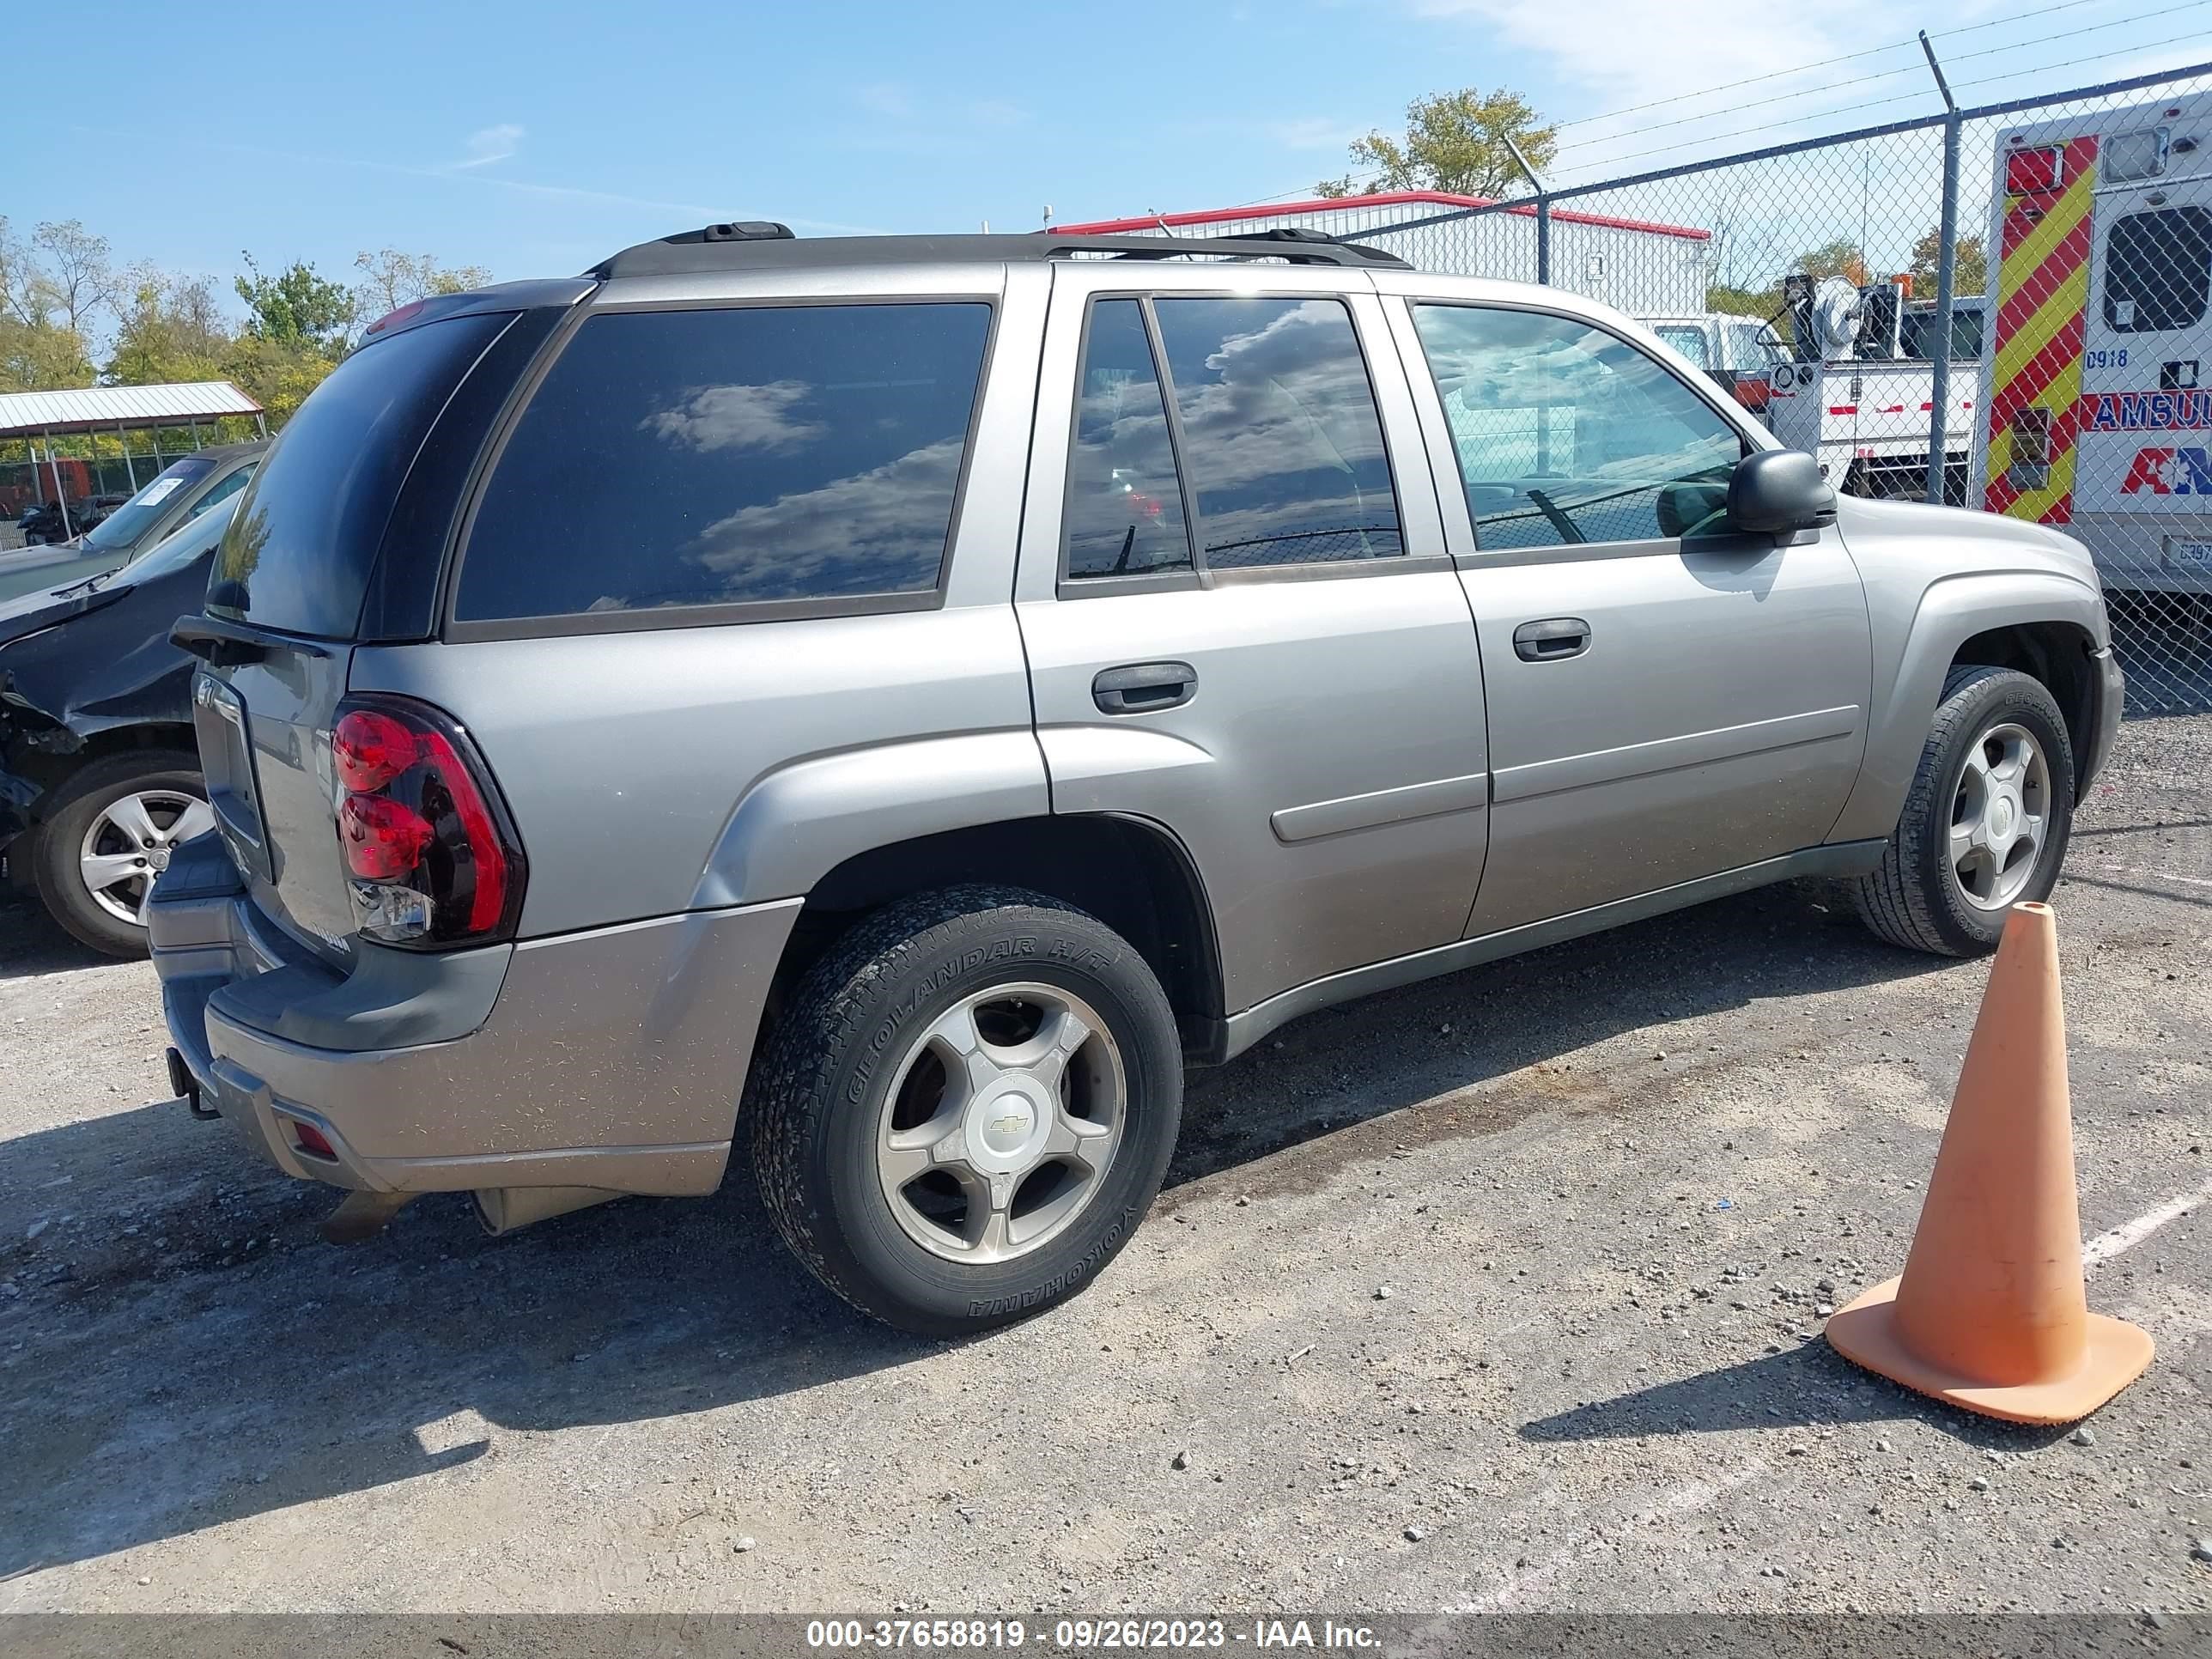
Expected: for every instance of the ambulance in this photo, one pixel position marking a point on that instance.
(2097, 413)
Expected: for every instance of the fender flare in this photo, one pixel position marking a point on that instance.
(1951, 611)
(797, 823)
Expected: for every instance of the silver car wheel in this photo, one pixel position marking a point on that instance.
(2000, 816)
(130, 843)
(1001, 1121)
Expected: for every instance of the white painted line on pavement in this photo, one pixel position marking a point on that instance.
(2129, 1234)
(1685, 1499)
(2146, 875)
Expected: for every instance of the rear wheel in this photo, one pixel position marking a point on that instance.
(1985, 823)
(109, 834)
(967, 1109)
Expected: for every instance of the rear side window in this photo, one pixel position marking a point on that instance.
(732, 456)
(1124, 515)
(298, 555)
(1281, 441)
(2158, 270)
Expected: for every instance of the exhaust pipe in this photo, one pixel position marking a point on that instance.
(363, 1215)
(509, 1209)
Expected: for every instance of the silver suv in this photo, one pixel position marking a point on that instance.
(901, 700)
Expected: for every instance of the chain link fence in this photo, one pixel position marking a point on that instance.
(2007, 307)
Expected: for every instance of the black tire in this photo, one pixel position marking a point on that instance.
(60, 836)
(819, 1086)
(1913, 899)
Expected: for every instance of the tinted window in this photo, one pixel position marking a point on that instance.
(728, 456)
(223, 491)
(1690, 342)
(1124, 512)
(298, 554)
(193, 539)
(1281, 441)
(136, 516)
(2158, 270)
(1917, 336)
(1565, 433)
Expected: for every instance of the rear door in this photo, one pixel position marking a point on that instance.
(1240, 619)
(1668, 699)
(288, 589)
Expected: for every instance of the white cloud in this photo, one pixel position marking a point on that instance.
(490, 144)
(757, 417)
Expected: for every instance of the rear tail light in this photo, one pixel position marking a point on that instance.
(432, 857)
(2028, 171)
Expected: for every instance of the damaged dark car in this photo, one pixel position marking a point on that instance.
(99, 778)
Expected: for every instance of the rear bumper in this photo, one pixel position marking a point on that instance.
(612, 1058)
(2104, 728)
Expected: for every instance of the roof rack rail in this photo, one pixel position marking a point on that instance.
(732, 230)
(759, 244)
(1294, 244)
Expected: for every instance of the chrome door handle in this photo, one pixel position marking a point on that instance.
(1552, 640)
(1139, 688)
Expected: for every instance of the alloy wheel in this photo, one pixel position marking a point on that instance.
(1002, 1120)
(130, 843)
(2000, 816)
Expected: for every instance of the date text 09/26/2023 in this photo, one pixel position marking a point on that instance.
(1093, 1635)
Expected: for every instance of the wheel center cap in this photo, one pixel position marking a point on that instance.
(159, 858)
(2002, 815)
(1004, 1122)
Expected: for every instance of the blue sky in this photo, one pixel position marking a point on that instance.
(535, 139)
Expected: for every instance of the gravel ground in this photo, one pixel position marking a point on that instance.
(1498, 1292)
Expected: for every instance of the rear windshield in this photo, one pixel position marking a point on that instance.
(298, 556)
(120, 528)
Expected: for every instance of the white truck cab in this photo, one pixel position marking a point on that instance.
(1859, 394)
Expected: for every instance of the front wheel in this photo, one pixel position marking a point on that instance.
(1985, 823)
(967, 1108)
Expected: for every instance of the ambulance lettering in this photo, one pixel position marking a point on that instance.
(2166, 470)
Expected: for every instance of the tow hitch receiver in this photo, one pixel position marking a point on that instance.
(187, 1087)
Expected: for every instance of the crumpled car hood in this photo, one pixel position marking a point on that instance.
(21, 617)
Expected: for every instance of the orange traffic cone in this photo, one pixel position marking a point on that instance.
(1991, 1313)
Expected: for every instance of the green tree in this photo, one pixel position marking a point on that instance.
(1454, 142)
(77, 267)
(39, 351)
(1840, 257)
(278, 374)
(296, 308)
(1970, 270)
(169, 329)
(391, 279)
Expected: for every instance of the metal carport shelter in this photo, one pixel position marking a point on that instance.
(41, 415)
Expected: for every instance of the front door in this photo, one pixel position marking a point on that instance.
(1241, 619)
(1669, 699)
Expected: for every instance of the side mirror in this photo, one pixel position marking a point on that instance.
(1779, 492)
